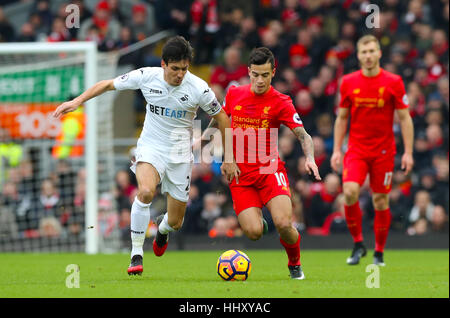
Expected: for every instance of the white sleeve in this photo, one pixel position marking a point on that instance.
(208, 102)
(130, 80)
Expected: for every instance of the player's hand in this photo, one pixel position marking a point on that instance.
(312, 169)
(336, 160)
(407, 163)
(230, 170)
(65, 108)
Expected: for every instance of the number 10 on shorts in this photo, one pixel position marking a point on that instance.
(281, 179)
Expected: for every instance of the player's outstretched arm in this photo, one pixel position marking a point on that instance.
(95, 90)
(340, 128)
(308, 149)
(407, 129)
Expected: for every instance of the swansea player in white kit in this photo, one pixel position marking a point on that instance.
(164, 149)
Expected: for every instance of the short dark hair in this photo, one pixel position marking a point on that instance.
(260, 56)
(177, 49)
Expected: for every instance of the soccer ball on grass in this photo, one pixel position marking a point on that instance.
(234, 265)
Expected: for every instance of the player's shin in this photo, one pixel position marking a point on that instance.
(381, 226)
(292, 251)
(353, 217)
(140, 217)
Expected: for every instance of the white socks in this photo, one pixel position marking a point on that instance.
(164, 227)
(140, 217)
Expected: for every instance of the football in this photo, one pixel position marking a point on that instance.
(234, 265)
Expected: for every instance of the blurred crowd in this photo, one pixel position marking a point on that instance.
(314, 45)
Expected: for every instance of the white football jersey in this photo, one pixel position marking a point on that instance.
(171, 110)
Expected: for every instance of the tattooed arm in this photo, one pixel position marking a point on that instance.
(308, 149)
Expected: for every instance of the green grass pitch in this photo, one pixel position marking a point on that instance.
(192, 274)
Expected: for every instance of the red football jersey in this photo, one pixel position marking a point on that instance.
(255, 120)
(372, 101)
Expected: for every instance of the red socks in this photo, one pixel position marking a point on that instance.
(353, 217)
(381, 227)
(292, 251)
(382, 223)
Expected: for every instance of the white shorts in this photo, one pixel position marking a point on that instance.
(175, 177)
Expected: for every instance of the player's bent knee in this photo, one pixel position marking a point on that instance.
(146, 194)
(380, 201)
(254, 233)
(254, 236)
(283, 227)
(351, 194)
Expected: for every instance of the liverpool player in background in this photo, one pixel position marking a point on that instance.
(371, 97)
(257, 110)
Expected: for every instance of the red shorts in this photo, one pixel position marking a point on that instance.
(255, 189)
(380, 170)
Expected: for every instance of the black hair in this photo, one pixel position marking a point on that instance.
(260, 56)
(177, 49)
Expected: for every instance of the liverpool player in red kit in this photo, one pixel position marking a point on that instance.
(257, 110)
(371, 97)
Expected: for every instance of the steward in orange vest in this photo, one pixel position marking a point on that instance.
(70, 141)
